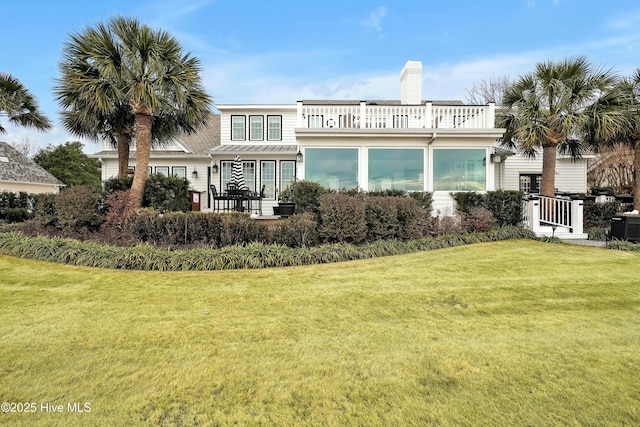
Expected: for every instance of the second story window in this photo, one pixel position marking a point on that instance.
(238, 128)
(274, 128)
(256, 128)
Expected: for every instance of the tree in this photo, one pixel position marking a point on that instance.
(487, 91)
(127, 65)
(626, 98)
(17, 103)
(70, 165)
(550, 108)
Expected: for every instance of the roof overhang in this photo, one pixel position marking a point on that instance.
(253, 149)
(397, 133)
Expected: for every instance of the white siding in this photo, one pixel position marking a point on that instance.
(571, 176)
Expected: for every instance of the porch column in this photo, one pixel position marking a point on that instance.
(577, 216)
(363, 112)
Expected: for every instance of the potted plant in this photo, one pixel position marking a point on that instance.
(285, 206)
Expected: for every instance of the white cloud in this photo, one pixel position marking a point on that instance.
(374, 20)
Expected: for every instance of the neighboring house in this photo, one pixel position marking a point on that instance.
(407, 144)
(185, 156)
(19, 173)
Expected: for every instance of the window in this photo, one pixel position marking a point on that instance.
(248, 173)
(459, 170)
(179, 171)
(315, 121)
(530, 183)
(334, 168)
(268, 178)
(256, 128)
(162, 170)
(238, 128)
(274, 128)
(400, 121)
(396, 169)
(287, 173)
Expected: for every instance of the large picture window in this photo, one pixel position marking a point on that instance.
(334, 168)
(459, 170)
(396, 169)
(238, 128)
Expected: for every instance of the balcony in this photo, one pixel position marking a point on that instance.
(363, 115)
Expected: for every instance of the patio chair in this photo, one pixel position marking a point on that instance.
(257, 196)
(217, 198)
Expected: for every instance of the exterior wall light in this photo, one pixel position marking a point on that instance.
(194, 174)
(299, 157)
(214, 168)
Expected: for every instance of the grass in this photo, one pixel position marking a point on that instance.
(509, 333)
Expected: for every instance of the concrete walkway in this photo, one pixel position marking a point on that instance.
(584, 242)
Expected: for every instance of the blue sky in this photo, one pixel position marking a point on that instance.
(282, 51)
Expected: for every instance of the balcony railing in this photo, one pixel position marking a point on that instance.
(554, 216)
(366, 116)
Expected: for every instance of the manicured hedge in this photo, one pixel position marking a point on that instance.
(255, 255)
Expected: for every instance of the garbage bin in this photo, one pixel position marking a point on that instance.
(626, 227)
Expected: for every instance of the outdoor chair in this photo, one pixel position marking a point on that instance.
(257, 196)
(217, 198)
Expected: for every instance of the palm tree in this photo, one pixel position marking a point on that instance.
(626, 99)
(125, 67)
(17, 103)
(548, 109)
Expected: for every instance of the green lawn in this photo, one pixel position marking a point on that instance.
(513, 333)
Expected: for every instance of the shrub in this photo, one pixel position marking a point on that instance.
(381, 216)
(238, 228)
(424, 199)
(599, 214)
(449, 225)
(468, 200)
(306, 194)
(118, 206)
(166, 194)
(296, 231)
(77, 208)
(505, 205)
(113, 185)
(342, 218)
(16, 207)
(478, 220)
(46, 211)
(409, 215)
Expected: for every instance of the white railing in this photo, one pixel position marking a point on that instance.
(554, 216)
(367, 116)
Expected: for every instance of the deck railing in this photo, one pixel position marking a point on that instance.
(554, 216)
(367, 116)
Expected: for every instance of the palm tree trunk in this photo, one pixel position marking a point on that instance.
(636, 175)
(143, 152)
(549, 152)
(123, 155)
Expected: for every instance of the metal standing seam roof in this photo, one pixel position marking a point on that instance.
(251, 149)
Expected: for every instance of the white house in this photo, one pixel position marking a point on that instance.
(408, 144)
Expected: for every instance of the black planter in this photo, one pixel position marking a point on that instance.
(276, 210)
(286, 209)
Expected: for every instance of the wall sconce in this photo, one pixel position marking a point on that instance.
(299, 157)
(495, 158)
(214, 168)
(194, 174)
